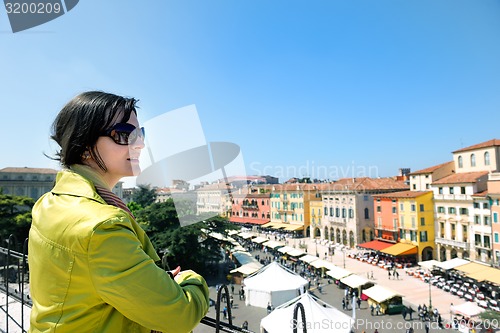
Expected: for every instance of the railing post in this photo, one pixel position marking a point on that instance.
(296, 309)
(21, 289)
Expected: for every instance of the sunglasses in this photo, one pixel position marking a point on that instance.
(125, 133)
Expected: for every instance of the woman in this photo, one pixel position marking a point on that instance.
(92, 267)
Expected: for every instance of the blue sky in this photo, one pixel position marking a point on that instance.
(319, 88)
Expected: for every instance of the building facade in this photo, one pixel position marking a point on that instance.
(348, 215)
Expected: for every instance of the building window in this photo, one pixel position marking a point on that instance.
(441, 229)
(401, 207)
(326, 211)
(441, 209)
(495, 217)
(460, 162)
(422, 207)
(337, 212)
(440, 189)
(422, 221)
(452, 190)
(486, 158)
(394, 210)
(452, 210)
(464, 211)
(464, 233)
(486, 240)
(331, 211)
(427, 186)
(462, 190)
(453, 227)
(423, 236)
(477, 219)
(379, 209)
(486, 205)
(367, 214)
(344, 213)
(496, 238)
(413, 207)
(472, 160)
(476, 204)
(414, 186)
(365, 198)
(487, 220)
(477, 240)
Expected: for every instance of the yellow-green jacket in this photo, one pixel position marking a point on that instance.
(92, 269)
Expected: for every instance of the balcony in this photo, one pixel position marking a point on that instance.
(250, 207)
(454, 243)
(455, 197)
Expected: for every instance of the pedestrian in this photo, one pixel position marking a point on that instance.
(410, 312)
(347, 303)
(389, 274)
(224, 312)
(232, 289)
(372, 308)
(427, 327)
(269, 308)
(102, 266)
(377, 308)
(376, 331)
(343, 303)
(358, 300)
(404, 312)
(245, 325)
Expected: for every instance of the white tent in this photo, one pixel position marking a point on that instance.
(273, 284)
(320, 317)
(467, 309)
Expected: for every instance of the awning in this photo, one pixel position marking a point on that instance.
(259, 240)
(246, 235)
(471, 267)
(355, 281)
(489, 274)
(278, 225)
(400, 249)
(322, 264)
(294, 227)
(284, 249)
(452, 263)
(376, 245)
(309, 258)
(380, 294)
(247, 269)
(295, 253)
(273, 244)
(428, 264)
(338, 273)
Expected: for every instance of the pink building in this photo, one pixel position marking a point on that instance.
(250, 208)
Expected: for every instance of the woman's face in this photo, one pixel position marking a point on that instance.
(120, 160)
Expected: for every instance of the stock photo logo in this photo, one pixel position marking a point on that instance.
(26, 14)
(178, 157)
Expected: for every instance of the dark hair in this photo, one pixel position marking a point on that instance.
(83, 120)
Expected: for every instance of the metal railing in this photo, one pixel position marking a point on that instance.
(15, 283)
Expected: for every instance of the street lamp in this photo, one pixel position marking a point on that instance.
(430, 298)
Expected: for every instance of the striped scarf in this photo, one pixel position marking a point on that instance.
(111, 198)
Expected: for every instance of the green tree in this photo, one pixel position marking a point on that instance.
(186, 246)
(15, 216)
(144, 195)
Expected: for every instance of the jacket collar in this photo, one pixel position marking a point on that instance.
(71, 183)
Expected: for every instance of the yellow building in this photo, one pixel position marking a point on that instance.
(416, 221)
(290, 206)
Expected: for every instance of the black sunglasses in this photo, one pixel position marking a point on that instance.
(125, 133)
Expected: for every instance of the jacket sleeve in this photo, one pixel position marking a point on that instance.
(127, 278)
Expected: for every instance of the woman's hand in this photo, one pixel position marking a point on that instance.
(175, 271)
